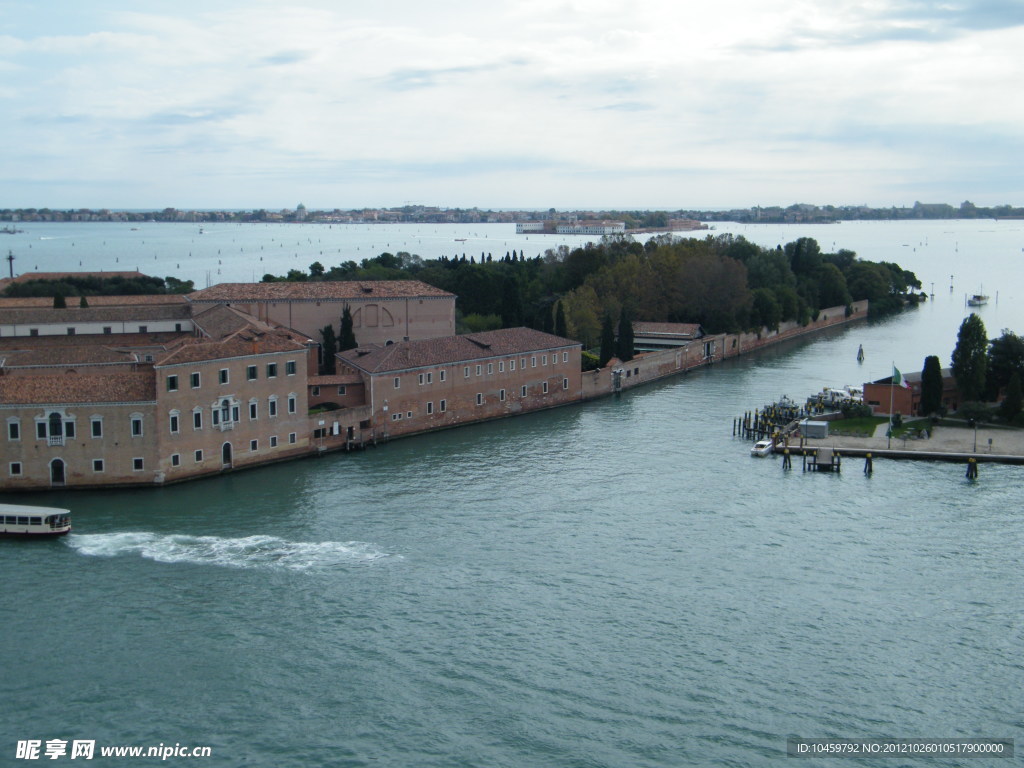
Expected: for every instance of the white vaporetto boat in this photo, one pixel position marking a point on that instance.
(25, 520)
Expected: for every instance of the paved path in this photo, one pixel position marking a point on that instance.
(943, 439)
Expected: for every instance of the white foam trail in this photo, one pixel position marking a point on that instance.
(246, 552)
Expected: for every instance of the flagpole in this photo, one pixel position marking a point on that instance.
(892, 386)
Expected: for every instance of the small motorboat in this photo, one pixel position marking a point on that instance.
(761, 448)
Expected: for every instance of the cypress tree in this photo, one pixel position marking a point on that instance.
(347, 339)
(561, 329)
(330, 347)
(59, 302)
(83, 302)
(931, 386)
(970, 358)
(511, 304)
(624, 347)
(607, 341)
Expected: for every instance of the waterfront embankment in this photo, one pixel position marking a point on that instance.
(944, 443)
(707, 350)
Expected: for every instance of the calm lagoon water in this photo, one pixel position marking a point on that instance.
(613, 584)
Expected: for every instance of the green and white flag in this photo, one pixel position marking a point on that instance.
(897, 378)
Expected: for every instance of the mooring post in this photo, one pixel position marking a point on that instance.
(868, 468)
(972, 468)
(786, 461)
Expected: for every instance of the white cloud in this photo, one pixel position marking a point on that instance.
(596, 103)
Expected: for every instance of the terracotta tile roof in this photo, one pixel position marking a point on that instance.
(85, 354)
(111, 314)
(246, 342)
(95, 301)
(374, 358)
(127, 387)
(678, 330)
(220, 321)
(381, 289)
(124, 341)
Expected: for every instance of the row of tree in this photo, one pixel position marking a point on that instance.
(725, 283)
(985, 370)
(97, 285)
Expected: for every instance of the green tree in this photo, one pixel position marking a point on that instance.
(316, 270)
(347, 339)
(330, 348)
(607, 341)
(970, 359)
(83, 302)
(1005, 357)
(59, 302)
(511, 303)
(560, 327)
(931, 386)
(624, 343)
(1010, 408)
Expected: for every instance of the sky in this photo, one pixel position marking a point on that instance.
(597, 104)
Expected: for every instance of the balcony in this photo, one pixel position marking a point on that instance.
(224, 426)
(56, 439)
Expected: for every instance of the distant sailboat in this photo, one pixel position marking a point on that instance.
(978, 300)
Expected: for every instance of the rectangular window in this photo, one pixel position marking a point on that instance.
(234, 413)
(194, 378)
(533, 361)
(32, 332)
(341, 389)
(177, 327)
(41, 430)
(174, 423)
(430, 378)
(501, 395)
(271, 370)
(396, 416)
(198, 456)
(272, 405)
(15, 468)
(252, 411)
(398, 382)
(512, 364)
(465, 372)
(143, 329)
(543, 359)
(289, 368)
(565, 357)
(490, 368)
(420, 378)
(13, 430)
(69, 429)
(273, 441)
(175, 459)
(291, 404)
(97, 465)
(430, 408)
(544, 387)
(172, 383)
(250, 373)
(442, 374)
(71, 331)
(444, 406)
(197, 419)
(522, 392)
(254, 445)
(522, 363)
(137, 465)
(136, 426)
(215, 416)
(223, 375)
(501, 366)
(291, 438)
(108, 329)
(565, 383)
(479, 398)
(315, 392)
(97, 427)
(479, 370)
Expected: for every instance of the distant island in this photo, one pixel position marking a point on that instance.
(631, 220)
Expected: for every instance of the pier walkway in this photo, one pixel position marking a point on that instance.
(944, 444)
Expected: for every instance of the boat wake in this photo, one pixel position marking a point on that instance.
(246, 552)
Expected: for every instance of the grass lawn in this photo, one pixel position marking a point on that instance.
(859, 427)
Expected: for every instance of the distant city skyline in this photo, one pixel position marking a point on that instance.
(601, 105)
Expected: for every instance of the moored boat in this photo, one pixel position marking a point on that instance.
(761, 448)
(977, 300)
(25, 520)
